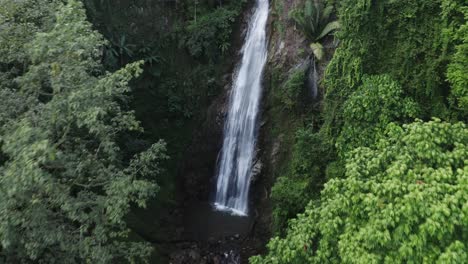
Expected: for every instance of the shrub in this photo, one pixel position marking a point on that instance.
(402, 201)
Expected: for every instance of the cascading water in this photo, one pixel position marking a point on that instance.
(235, 164)
(313, 77)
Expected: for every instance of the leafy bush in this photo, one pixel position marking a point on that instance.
(376, 103)
(210, 34)
(303, 179)
(290, 92)
(402, 201)
(457, 71)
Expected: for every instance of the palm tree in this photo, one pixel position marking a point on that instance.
(119, 48)
(314, 21)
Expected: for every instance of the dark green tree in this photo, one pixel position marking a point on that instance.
(377, 102)
(457, 70)
(64, 187)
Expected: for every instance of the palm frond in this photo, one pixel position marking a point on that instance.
(309, 9)
(328, 29)
(326, 13)
(318, 14)
(298, 16)
(313, 18)
(310, 12)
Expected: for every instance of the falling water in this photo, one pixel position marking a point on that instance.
(313, 77)
(234, 171)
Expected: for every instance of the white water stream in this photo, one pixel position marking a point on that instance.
(240, 129)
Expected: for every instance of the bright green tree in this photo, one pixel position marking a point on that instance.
(377, 102)
(64, 186)
(403, 201)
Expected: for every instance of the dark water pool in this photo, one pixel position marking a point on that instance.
(204, 223)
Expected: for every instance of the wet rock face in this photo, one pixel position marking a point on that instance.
(200, 163)
(256, 170)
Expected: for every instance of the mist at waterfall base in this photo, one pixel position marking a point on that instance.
(240, 130)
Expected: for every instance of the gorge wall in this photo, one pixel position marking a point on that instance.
(199, 97)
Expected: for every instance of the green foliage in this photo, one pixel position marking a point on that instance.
(314, 18)
(210, 35)
(407, 40)
(118, 50)
(303, 179)
(376, 103)
(402, 201)
(314, 21)
(290, 92)
(172, 94)
(19, 21)
(65, 188)
(317, 50)
(396, 194)
(276, 12)
(410, 42)
(457, 70)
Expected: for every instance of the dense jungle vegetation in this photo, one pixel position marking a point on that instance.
(100, 100)
(390, 142)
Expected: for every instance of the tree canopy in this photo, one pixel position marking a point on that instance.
(376, 103)
(402, 201)
(65, 186)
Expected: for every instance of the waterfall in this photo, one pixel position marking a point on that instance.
(237, 153)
